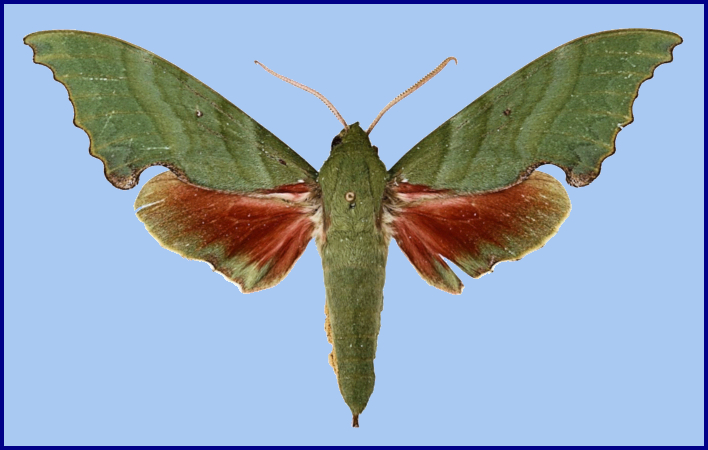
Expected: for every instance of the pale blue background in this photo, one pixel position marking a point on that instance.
(595, 339)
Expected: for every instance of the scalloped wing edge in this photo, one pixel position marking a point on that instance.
(124, 183)
(574, 180)
(132, 180)
(577, 181)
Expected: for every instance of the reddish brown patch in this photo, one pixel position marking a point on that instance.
(263, 230)
(431, 224)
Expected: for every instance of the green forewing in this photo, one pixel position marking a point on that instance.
(565, 108)
(140, 110)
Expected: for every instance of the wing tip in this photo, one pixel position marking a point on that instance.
(124, 182)
(583, 179)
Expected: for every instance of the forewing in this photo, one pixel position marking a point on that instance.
(236, 197)
(252, 239)
(565, 108)
(475, 231)
(140, 110)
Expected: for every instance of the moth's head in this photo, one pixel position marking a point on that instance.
(352, 138)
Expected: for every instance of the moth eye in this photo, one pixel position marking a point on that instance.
(349, 196)
(375, 149)
(336, 141)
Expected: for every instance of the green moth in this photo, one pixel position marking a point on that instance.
(240, 199)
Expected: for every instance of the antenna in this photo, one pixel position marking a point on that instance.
(410, 90)
(311, 91)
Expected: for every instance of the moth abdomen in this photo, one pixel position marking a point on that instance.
(354, 272)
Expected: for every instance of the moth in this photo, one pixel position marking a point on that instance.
(240, 199)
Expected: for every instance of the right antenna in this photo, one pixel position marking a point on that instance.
(410, 90)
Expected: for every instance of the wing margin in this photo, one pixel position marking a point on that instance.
(140, 110)
(542, 115)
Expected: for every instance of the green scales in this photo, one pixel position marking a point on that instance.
(240, 199)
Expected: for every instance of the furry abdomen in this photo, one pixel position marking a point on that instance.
(353, 248)
(354, 286)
